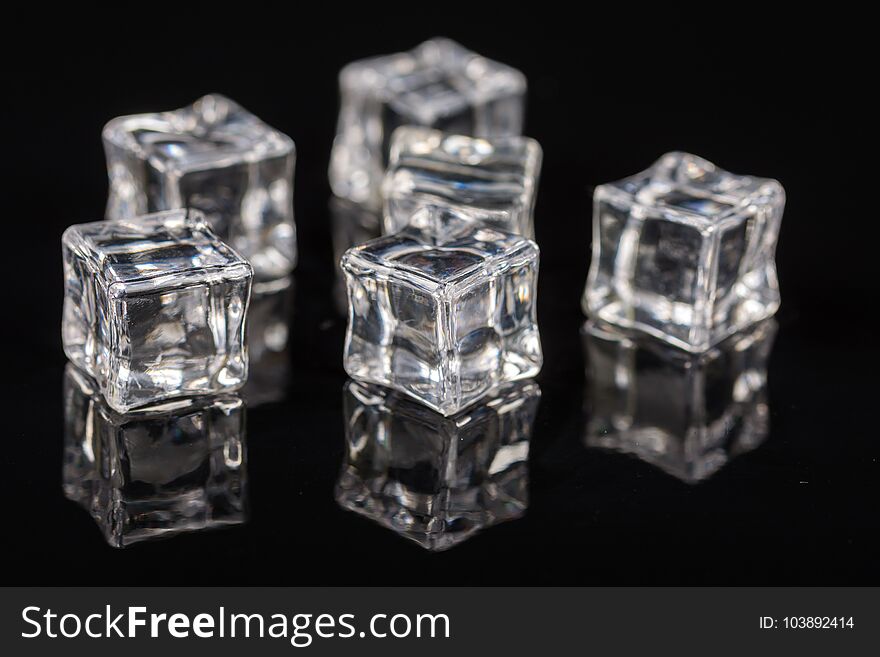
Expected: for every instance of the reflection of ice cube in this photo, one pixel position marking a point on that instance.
(686, 414)
(218, 158)
(268, 338)
(685, 252)
(436, 480)
(439, 84)
(495, 178)
(154, 308)
(444, 318)
(174, 468)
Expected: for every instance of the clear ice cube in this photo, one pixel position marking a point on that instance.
(685, 251)
(444, 317)
(439, 84)
(216, 157)
(495, 177)
(436, 480)
(175, 468)
(685, 414)
(154, 308)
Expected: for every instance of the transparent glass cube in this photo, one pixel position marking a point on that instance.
(685, 414)
(496, 177)
(216, 157)
(685, 251)
(154, 308)
(178, 467)
(444, 318)
(432, 479)
(439, 84)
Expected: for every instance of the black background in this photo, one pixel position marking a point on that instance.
(605, 100)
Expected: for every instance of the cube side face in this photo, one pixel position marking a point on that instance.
(223, 162)
(647, 272)
(86, 330)
(439, 85)
(135, 188)
(495, 178)
(178, 341)
(250, 206)
(356, 161)
(747, 288)
(142, 152)
(392, 335)
(495, 337)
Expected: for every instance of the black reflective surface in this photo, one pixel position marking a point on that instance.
(792, 498)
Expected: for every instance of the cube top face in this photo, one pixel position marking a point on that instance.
(687, 189)
(436, 480)
(443, 316)
(170, 469)
(685, 252)
(154, 308)
(686, 414)
(439, 84)
(496, 177)
(212, 132)
(166, 248)
(437, 79)
(441, 251)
